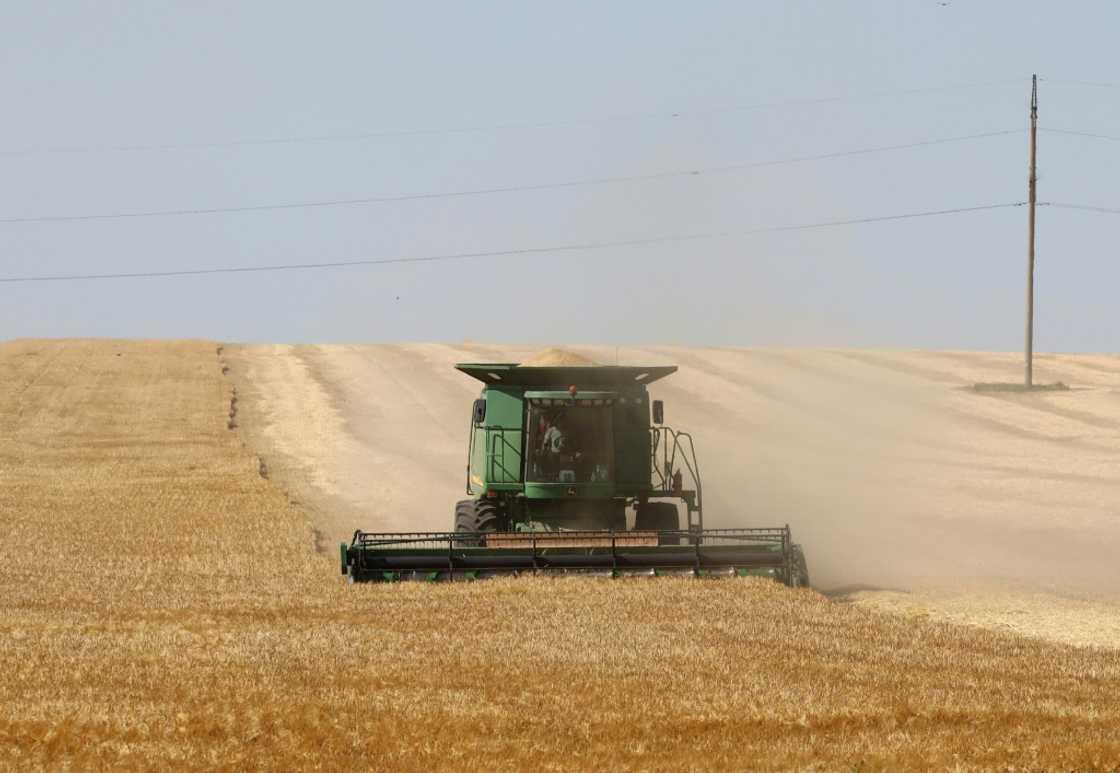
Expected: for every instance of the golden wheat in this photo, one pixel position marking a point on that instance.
(162, 604)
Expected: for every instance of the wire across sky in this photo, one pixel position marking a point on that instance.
(555, 248)
(369, 200)
(655, 115)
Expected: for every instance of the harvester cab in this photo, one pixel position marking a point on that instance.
(566, 473)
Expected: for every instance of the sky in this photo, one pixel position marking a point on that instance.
(117, 108)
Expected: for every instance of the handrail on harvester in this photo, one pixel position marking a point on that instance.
(673, 445)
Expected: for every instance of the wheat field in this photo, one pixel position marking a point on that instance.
(164, 603)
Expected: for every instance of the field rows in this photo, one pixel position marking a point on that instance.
(163, 603)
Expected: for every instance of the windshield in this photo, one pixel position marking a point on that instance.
(569, 443)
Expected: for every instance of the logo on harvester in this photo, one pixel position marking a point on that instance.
(571, 491)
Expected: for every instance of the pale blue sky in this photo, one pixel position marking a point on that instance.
(105, 75)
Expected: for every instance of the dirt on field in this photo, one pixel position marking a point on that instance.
(164, 602)
(911, 492)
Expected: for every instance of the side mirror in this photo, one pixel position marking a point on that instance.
(478, 413)
(658, 412)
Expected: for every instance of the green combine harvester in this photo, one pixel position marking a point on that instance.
(567, 473)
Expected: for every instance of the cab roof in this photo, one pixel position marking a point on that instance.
(564, 375)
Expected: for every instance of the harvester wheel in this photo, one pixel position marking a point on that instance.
(659, 516)
(800, 577)
(475, 515)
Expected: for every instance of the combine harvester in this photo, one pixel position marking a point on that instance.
(562, 460)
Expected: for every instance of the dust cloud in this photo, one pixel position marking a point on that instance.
(908, 480)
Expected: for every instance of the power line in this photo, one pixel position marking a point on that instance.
(1085, 207)
(730, 168)
(667, 115)
(1075, 133)
(1071, 82)
(583, 246)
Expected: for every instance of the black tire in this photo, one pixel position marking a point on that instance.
(800, 577)
(476, 515)
(659, 516)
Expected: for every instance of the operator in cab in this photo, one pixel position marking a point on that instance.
(559, 452)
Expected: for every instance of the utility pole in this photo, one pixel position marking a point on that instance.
(1031, 201)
